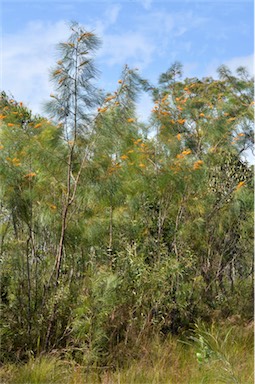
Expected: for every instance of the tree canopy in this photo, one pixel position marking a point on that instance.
(112, 229)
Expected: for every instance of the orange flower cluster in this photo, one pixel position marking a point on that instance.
(240, 184)
(86, 34)
(114, 168)
(175, 168)
(38, 125)
(164, 98)
(57, 72)
(198, 164)
(183, 101)
(187, 152)
(234, 140)
(61, 80)
(31, 174)
(109, 98)
(183, 154)
(101, 110)
(137, 141)
(16, 162)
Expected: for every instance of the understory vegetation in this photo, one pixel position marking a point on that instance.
(126, 247)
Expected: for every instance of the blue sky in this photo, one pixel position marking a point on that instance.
(147, 34)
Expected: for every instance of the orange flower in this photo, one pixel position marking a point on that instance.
(130, 120)
(109, 98)
(2, 117)
(10, 125)
(53, 207)
(101, 110)
(241, 134)
(186, 152)
(58, 71)
(31, 174)
(179, 136)
(239, 185)
(21, 104)
(38, 125)
(181, 121)
(141, 165)
(120, 81)
(231, 119)
(61, 80)
(124, 157)
(198, 164)
(14, 161)
(201, 114)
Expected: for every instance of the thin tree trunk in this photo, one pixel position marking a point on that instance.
(28, 290)
(110, 231)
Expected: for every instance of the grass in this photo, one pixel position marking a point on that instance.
(224, 356)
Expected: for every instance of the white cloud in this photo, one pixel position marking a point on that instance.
(232, 64)
(28, 55)
(120, 49)
(244, 61)
(146, 4)
(26, 59)
(111, 14)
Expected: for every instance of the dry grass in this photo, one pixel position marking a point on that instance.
(168, 362)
